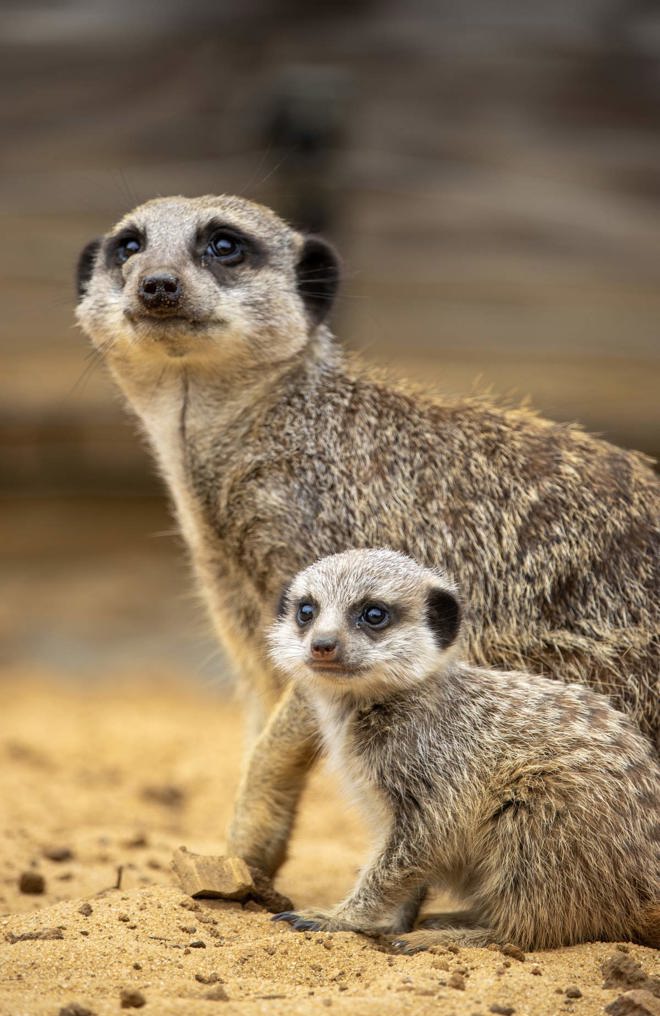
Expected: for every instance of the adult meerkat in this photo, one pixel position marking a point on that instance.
(536, 801)
(210, 314)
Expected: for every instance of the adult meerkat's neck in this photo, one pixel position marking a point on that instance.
(179, 406)
(194, 413)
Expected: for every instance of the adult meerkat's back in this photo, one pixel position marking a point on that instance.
(535, 801)
(210, 313)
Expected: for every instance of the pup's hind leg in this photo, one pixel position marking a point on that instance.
(451, 919)
(405, 917)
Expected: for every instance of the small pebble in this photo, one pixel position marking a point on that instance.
(536, 971)
(503, 1010)
(54, 853)
(457, 981)
(207, 978)
(137, 966)
(32, 882)
(573, 992)
(514, 951)
(198, 944)
(132, 999)
(166, 794)
(85, 909)
(75, 1009)
(139, 840)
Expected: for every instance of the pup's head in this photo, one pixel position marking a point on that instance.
(214, 280)
(365, 623)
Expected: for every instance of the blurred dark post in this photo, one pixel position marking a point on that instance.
(305, 129)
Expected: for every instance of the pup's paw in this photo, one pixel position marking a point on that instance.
(414, 942)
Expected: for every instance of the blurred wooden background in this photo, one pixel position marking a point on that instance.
(490, 170)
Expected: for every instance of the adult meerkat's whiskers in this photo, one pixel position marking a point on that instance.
(536, 801)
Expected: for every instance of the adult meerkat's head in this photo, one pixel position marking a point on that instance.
(365, 623)
(216, 280)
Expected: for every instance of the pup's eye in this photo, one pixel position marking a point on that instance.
(226, 248)
(126, 247)
(375, 616)
(305, 613)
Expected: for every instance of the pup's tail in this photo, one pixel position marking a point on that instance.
(647, 929)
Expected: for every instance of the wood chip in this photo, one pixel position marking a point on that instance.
(225, 878)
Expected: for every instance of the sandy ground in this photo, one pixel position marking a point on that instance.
(119, 774)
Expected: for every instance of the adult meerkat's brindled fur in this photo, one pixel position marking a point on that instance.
(210, 313)
(536, 801)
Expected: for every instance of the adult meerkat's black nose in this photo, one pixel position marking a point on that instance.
(160, 293)
(325, 649)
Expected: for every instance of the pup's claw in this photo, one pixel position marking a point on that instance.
(286, 915)
(304, 921)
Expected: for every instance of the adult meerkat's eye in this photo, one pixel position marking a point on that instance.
(226, 248)
(305, 613)
(125, 249)
(375, 616)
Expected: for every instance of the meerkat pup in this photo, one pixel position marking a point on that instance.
(536, 801)
(211, 314)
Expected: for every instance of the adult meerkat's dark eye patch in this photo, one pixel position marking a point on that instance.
(85, 266)
(443, 614)
(222, 246)
(318, 273)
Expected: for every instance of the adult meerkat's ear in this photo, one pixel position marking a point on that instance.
(443, 614)
(85, 266)
(318, 272)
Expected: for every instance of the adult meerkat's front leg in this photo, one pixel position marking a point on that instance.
(384, 901)
(272, 783)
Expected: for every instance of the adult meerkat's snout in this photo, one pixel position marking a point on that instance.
(160, 293)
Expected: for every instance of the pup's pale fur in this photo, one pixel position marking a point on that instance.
(277, 452)
(535, 801)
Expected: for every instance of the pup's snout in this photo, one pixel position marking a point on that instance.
(325, 650)
(160, 293)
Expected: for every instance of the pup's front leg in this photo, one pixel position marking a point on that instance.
(385, 900)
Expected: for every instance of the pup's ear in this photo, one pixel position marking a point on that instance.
(318, 272)
(443, 614)
(85, 266)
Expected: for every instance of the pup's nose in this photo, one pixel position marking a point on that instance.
(325, 649)
(160, 292)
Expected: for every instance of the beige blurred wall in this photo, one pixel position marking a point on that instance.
(490, 173)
